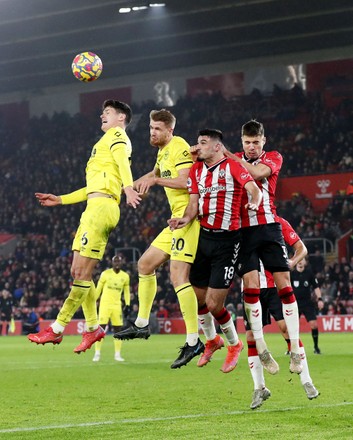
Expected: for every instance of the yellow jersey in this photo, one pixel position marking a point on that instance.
(111, 286)
(108, 168)
(170, 159)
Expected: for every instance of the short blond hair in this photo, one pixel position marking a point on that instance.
(165, 116)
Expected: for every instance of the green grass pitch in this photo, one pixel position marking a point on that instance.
(51, 393)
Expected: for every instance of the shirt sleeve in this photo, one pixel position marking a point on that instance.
(183, 157)
(192, 182)
(240, 173)
(274, 160)
(289, 234)
(122, 159)
(75, 197)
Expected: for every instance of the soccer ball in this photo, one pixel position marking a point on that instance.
(87, 66)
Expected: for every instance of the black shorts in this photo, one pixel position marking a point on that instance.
(215, 260)
(265, 243)
(308, 309)
(6, 316)
(271, 306)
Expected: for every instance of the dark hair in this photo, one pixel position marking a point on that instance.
(163, 115)
(213, 133)
(252, 128)
(121, 107)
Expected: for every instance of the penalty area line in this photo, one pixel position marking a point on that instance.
(161, 419)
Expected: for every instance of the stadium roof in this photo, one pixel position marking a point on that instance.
(39, 38)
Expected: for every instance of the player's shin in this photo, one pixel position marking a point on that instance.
(291, 317)
(255, 366)
(76, 297)
(253, 312)
(89, 308)
(188, 306)
(206, 322)
(147, 289)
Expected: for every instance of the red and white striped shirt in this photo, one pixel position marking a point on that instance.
(220, 188)
(267, 210)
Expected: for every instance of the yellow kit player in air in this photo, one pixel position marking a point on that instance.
(113, 288)
(171, 171)
(107, 172)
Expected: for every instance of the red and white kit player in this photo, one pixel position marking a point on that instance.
(262, 240)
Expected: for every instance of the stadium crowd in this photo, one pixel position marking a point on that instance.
(49, 158)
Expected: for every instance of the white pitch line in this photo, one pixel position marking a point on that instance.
(161, 419)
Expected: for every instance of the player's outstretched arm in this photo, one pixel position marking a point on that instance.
(144, 183)
(177, 223)
(48, 199)
(300, 252)
(190, 213)
(132, 197)
(256, 196)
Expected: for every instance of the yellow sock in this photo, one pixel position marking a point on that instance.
(76, 297)
(89, 307)
(188, 306)
(117, 345)
(98, 345)
(147, 290)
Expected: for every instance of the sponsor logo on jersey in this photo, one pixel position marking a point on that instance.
(212, 189)
(167, 174)
(244, 176)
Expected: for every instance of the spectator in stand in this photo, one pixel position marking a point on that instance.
(304, 283)
(30, 321)
(162, 312)
(6, 310)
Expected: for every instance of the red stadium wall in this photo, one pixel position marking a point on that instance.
(318, 189)
(330, 324)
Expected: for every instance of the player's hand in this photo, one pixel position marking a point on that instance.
(291, 264)
(143, 185)
(251, 207)
(194, 151)
(177, 223)
(48, 199)
(228, 154)
(132, 197)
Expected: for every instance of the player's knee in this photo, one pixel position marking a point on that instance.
(214, 307)
(313, 325)
(145, 267)
(81, 273)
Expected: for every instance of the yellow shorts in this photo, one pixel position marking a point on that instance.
(97, 221)
(113, 314)
(180, 244)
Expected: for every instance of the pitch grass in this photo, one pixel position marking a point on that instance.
(51, 393)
